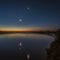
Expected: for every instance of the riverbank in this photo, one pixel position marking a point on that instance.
(53, 53)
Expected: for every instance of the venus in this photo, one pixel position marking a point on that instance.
(20, 20)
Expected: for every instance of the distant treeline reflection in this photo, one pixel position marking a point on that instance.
(39, 32)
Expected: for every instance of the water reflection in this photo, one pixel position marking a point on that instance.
(28, 56)
(25, 35)
(20, 45)
(24, 46)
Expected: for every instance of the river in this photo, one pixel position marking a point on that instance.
(24, 46)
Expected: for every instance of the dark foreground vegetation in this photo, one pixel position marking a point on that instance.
(53, 53)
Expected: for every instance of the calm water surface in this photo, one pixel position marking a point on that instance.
(24, 46)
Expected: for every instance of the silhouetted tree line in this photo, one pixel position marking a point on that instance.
(53, 53)
(38, 32)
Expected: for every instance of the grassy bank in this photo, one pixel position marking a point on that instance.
(53, 53)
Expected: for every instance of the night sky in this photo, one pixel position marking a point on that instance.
(30, 13)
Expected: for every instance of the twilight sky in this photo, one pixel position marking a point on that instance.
(43, 14)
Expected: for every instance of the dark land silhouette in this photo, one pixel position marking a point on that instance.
(37, 32)
(53, 53)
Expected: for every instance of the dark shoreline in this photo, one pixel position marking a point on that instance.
(53, 53)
